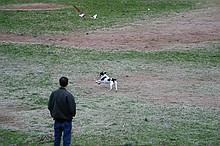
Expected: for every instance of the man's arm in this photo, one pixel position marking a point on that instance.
(72, 105)
(50, 104)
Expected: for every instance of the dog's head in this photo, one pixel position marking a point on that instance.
(102, 74)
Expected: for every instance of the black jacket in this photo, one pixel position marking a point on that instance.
(62, 105)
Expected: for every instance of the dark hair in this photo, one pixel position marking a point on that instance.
(63, 81)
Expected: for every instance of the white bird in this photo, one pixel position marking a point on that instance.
(94, 16)
(82, 15)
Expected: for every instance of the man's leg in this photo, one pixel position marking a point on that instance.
(67, 133)
(57, 133)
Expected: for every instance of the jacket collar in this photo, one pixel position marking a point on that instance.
(62, 88)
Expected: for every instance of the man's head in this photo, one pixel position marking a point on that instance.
(63, 81)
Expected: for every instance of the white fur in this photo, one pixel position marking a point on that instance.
(107, 80)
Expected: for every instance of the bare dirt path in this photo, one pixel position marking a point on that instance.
(149, 34)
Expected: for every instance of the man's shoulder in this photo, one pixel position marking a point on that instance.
(62, 89)
(69, 94)
(55, 91)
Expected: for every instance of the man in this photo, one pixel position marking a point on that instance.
(62, 108)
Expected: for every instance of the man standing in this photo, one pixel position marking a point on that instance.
(62, 108)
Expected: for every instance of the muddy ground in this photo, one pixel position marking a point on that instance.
(184, 29)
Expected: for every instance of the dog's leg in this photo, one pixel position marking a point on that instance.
(116, 86)
(98, 81)
(110, 85)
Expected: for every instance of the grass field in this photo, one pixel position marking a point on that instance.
(29, 73)
(114, 119)
(112, 13)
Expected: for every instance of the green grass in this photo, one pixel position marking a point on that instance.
(10, 137)
(202, 56)
(110, 13)
(108, 120)
(46, 55)
(123, 120)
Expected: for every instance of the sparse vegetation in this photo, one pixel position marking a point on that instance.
(114, 119)
(29, 73)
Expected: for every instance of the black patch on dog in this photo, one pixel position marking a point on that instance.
(103, 78)
(102, 73)
(113, 80)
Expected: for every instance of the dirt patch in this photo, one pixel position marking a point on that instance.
(160, 88)
(36, 6)
(15, 115)
(150, 34)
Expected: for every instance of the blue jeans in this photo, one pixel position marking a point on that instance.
(65, 128)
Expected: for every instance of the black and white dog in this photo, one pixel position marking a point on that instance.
(107, 80)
